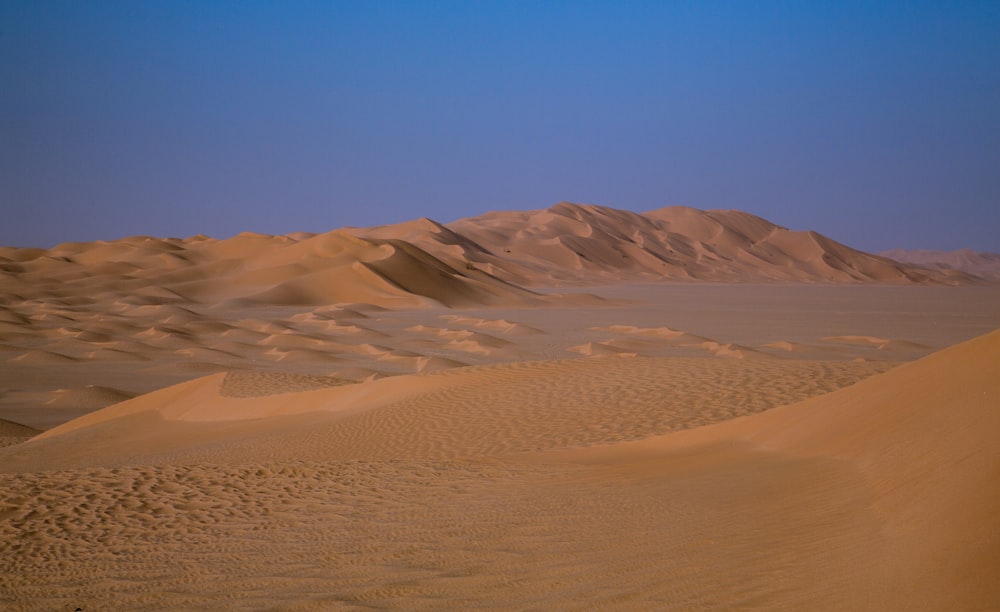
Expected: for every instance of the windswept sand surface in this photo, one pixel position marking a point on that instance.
(387, 418)
(551, 484)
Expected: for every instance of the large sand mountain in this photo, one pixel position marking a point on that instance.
(482, 260)
(302, 270)
(586, 244)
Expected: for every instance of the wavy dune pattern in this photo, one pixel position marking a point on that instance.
(456, 488)
(570, 408)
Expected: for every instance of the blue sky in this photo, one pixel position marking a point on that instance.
(876, 123)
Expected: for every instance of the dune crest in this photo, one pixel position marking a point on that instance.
(480, 260)
(583, 244)
(307, 270)
(388, 418)
(846, 500)
(922, 437)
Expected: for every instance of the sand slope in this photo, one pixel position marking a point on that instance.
(253, 268)
(583, 243)
(548, 484)
(465, 412)
(14, 433)
(921, 441)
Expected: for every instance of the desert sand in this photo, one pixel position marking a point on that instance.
(573, 408)
(984, 265)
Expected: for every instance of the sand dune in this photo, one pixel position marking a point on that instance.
(68, 343)
(582, 243)
(480, 260)
(917, 449)
(593, 349)
(90, 396)
(386, 418)
(12, 433)
(142, 297)
(40, 357)
(872, 341)
(508, 328)
(254, 268)
(489, 410)
(660, 333)
(470, 492)
(983, 265)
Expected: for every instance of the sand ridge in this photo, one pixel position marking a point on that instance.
(481, 260)
(481, 411)
(919, 438)
(810, 505)
(576, 243)
(981, 264)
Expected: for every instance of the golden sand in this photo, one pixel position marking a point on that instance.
(386, 418)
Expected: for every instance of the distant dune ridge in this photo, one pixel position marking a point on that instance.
(481, 260)
(585, 244)
(984, 265)
(581, 243)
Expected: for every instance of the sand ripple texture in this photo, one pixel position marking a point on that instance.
(401, 535)
(408, 505)
(262, 384)
(568, 484)
(511, 408)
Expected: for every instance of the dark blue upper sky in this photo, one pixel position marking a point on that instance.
(876, 123)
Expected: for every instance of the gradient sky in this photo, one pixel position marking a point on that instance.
(876, 123)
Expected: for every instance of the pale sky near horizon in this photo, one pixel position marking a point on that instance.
(875, 123)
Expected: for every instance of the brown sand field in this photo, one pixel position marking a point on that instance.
(356, 420)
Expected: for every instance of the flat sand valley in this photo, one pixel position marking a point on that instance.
(644, 446)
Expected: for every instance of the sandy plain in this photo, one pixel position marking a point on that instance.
(670, 445)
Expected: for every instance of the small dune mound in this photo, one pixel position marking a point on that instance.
(263, 384)
(89, 397)
(302, 355)
(875, 342)
(358, 374)
(40, 357)
(434, 364)
(113, 354)
(507, 328)
(733, 351)
(665, 334)
(199, 368)
(593, 349)
(785, 345)
(14, 433)
(200, 353)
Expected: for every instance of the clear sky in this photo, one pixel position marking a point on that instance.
(876, 123)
